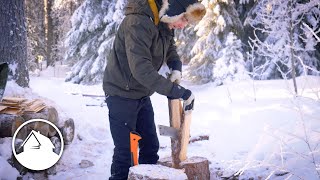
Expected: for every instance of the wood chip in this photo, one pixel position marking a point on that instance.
(15, 106)
(28, 102)
(12, 111)
(2, 108)
(13, 100)
(9, 104)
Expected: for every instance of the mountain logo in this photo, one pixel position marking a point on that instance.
(38, 152)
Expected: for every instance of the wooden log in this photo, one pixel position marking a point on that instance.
(185, 136)
(199, 138)
(175, 113)
(180, 121)
(9, 124)
(155, 172)
(68, 131)
(50, 114)
(195, 167)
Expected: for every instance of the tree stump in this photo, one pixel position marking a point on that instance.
(50, 114)
(155, 172)
(195, 167)
(9, 124)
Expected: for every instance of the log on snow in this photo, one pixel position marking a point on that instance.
(195, 167)
(9, 124)
(50, 114)
(155, 172)
(68, 131)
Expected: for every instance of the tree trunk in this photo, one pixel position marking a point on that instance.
(13, 40)
(50, 34)
(9, 124)
(292, 54)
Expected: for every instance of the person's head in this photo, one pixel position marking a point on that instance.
(179, 23)
(179, 13)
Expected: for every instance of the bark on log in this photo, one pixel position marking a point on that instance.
(50, 114)
(195, 167)
(155, 172)
(9, 124)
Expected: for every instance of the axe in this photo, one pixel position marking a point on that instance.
(134, 138)
(168, 131)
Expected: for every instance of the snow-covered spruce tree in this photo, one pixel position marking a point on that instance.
(89, 41)
(220, 19)
(230, 66)
(62, 12)
(244, 9)
(185, 40)
(282, 42)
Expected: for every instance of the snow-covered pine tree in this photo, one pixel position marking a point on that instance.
(220, 19)
(230, 66)
(281, 38)
(89, 41)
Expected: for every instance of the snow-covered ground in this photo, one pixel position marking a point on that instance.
(256, 129)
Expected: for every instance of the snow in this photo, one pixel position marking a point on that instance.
(255, 128)
(6, 170)
(157, 172)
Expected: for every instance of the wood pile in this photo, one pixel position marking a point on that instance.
(19, 106)
(15, 111)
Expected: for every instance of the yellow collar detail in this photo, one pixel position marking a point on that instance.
(155, 11)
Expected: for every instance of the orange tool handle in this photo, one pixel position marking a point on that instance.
(134, 138)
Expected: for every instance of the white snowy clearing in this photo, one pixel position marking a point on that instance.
(256, 129)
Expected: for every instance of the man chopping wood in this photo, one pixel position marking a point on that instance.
(143, 42)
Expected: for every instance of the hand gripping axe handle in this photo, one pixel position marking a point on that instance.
(134, 138)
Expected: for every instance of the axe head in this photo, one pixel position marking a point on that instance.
(168, 131)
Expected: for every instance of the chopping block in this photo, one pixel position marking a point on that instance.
(179, 132)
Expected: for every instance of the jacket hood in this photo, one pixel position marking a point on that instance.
(138, 7)
(173, 10)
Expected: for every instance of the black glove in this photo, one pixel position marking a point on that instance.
(188, 101)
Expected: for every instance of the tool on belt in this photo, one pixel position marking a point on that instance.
(134, 138)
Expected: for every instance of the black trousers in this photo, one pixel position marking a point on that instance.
(126, 115)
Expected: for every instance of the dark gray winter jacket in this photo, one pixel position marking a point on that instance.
(139, 50)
